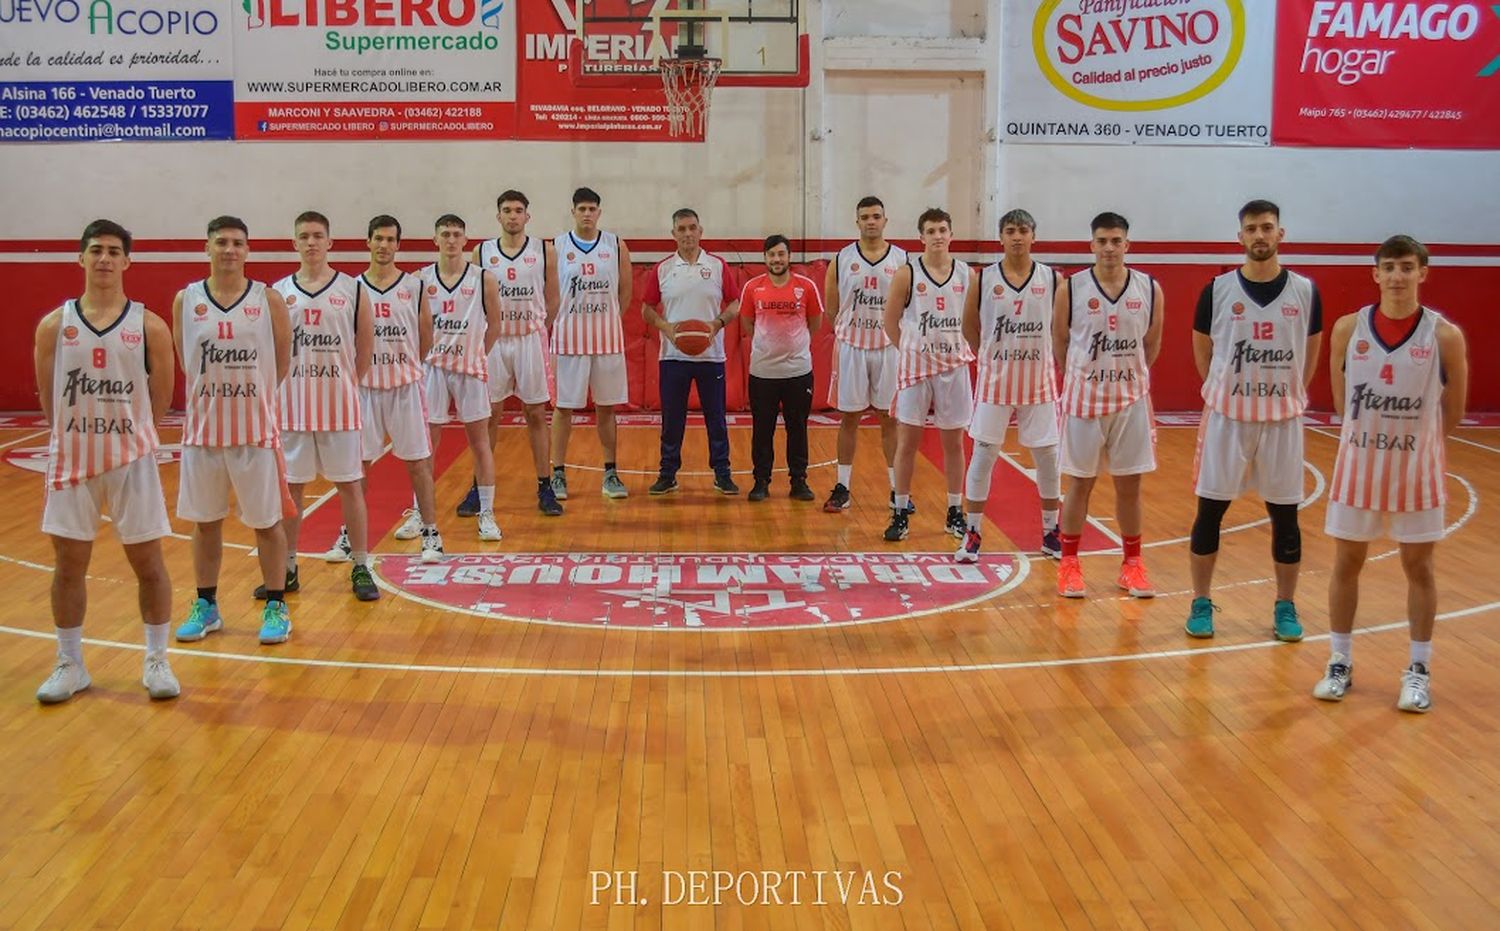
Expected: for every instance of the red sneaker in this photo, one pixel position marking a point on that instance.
(1133, 579)
(1070, 577)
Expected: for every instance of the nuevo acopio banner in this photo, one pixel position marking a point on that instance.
(1419, 74)
(1157, 72)
(375, 69)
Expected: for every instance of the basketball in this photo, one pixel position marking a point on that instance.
(694, 336)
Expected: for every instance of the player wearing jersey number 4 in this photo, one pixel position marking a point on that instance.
(1400, 375)
(104, 375)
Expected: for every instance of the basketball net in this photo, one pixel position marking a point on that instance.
(689, 85)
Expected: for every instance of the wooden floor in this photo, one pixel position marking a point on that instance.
(1012, 762)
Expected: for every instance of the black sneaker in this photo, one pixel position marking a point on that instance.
(469, 506)
(955, 524)
(546, 501)
(838, 500)
(911, 506)
(724, 485)
(664, 485)
(897, 529)
(291, 585)
(761, 491)
(801, 491)
(363, 583)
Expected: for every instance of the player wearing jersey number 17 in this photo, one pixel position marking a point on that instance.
(104, 376)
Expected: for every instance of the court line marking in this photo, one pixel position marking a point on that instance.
(756, 673)
(1492, 449)
(1092, 520)
(29, 436)
(750, 471)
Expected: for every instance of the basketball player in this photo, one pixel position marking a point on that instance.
(1008, 320)
(390, 394)
(234, 340)
(779, 312)
(104, 375)
(691, 284)
(1255, 341)
(465, 321)
(588, 336)
(333, 338)
(1106, 332)
(519, 360)
(864, 370)
(924, 321)
(1400, 376)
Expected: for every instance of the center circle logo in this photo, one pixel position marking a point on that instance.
(702, 591)
(1138, 60)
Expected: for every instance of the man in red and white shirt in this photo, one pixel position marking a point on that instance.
(779, 312)
(691, 284)
(1106, 332)
(104, 375)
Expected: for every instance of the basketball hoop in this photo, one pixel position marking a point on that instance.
(689, 85)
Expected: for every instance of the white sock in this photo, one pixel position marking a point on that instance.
(429, 528)
(902, 501)
(1421, 652)
(360, 559)
(955, 501)
(1049, 519)
(415, 505)
(156, 638)
(291, 562)
(846, 474)
(890, 473)
(974, 517)
(486, 499)
(70, 643)
(1343, 644)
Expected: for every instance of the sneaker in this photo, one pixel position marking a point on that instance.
(341, 551)
(363, 584)
(489, 531)
(724, 485)
(1052, 543)
(469, 506)
(838, 500)
(801, 491)
(955, 523)
(911, 506)
(291, 585)
(559, 485)
(613, 487)
(1133, 579)
(411, 525)
(1286, 625)
(1200, 622)
(1414, 689)
(664, 485)
(203, 619)
(275, 623)
(898, 527)
(1070, 578)
(969, 551)
(1338, 678)
(546, 501)
(68, 679)
(432, 546)
(158, 678)
(760, 491)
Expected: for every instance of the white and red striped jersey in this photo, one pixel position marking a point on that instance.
(932, 335)
(101, 401)
(862, 287)
(397, 357)
(588, 282)
(1259, 351)
(1015, 337)
(229, 360)
(1391, 455)
(1106, 367)
(523, 282)
(458, 321)
(321, 390)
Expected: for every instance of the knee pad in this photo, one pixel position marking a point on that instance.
(1286, 534)
(1048, 475)
(981, 471)
(1205, 538)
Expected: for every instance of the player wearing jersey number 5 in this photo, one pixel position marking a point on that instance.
(1400, 375)
(104, 375)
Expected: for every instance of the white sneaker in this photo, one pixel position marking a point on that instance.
(489, 531)
(1415, 695)
(340, 551)
(158, 678)
(1337, 679)
(432, 546)
(68, 679)
(411, 527)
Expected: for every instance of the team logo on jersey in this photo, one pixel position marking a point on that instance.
(921, 287)
(854, 269)
(291, 299)
(604, 256)
(705, 273)
(200, 310)
(999, 290)
(1039, 290)
(432, 289)
(252, 311)
(958, 288)
(797, 293)
(572, 256)
(494, 260)
(1361, 348)
(890, 271)
(1133, 305)
(529, 259)
(1420, 354)
(70, 332)
(466, 292)
(1290, 310)
(1093, 305)
(1238, 309)
(131, 338)
(403, 295)
(336, 301)
(702, 591)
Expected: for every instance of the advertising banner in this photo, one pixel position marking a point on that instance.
(374, 69)
(1153, 72)
(80, 70)
(1414, 74)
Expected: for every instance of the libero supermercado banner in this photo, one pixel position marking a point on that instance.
(374, 69)
(1390, 74)
(1153, 72)
(81, 70)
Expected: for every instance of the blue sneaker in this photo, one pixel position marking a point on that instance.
(1286, 625)
(469, 506)
(202, 620)
(1200, 622)
(275, 623)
